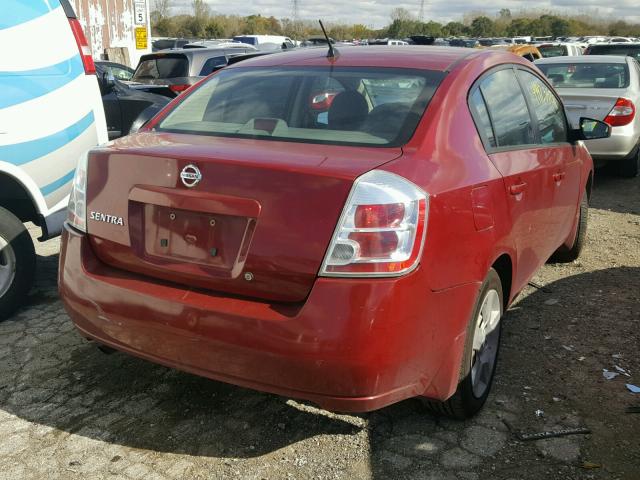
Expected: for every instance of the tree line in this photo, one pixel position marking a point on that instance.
(201, 22)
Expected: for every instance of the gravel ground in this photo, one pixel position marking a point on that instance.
(67, 411)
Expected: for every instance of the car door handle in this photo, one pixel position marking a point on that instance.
(558, 177)
(518, 188)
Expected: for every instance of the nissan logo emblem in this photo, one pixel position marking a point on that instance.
(190, 176)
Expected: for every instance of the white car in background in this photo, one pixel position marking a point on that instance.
(606, 88)
(51, 113)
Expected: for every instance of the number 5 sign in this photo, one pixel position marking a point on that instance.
(140, 12)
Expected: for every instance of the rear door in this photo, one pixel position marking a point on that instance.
(556, 152)
(511, 139)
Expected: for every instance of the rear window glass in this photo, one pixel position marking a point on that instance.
(508, 109)
(162, 67)
(355, 106)
(247, 40)
(631, 51)
(213, 64)
(586, 75)
(548, 51)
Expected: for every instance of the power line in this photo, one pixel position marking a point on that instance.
(295, 10)
(422, 10)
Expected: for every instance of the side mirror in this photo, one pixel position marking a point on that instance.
(591, 129)
(107, 82)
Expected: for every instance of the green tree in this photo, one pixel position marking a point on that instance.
(482, 27)
(455, 29)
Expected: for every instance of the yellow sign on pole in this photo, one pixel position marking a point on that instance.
(141, 38)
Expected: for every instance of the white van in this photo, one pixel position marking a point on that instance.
(50, 114)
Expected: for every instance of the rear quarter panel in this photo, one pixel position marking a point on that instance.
(447, 159)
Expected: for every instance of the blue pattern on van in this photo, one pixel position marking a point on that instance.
(22, 86)
(55, 185)
(15, 12)
(25, 152)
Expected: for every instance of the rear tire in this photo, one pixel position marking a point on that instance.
(480, 355)
(17, 263)
(565, 254)
(630, 167)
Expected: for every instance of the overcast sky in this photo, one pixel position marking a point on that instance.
(376, 12)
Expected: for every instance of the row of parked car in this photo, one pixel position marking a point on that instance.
(343, 225)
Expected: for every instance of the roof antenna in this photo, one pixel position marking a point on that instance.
(333, 52)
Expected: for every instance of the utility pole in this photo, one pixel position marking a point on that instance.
(422, 11)
(295, 15)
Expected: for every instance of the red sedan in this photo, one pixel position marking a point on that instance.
(347, 230)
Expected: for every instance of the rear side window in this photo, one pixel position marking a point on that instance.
(549, 51)
(508, 109)
(548, 110)
(162, 67)
(586, 75)
(213, 64)
(337, 105)
(481, 117)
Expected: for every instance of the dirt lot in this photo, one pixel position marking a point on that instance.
(68, 411)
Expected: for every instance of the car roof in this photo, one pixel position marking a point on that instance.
(585, 59)
(420, 57)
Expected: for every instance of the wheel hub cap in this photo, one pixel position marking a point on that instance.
(7, 266)
(485, 343)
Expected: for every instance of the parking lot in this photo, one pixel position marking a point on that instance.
(69, 411)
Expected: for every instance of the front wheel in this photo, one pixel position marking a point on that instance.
(480, 354)
(17, 263)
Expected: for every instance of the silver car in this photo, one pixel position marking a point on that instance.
(604, 88)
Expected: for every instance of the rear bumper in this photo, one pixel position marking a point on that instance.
(353, 345)
(622, 142)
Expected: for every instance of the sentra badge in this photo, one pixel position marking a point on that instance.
(190, 176)
(103, 217)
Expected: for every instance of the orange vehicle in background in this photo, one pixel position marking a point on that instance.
(530, 52)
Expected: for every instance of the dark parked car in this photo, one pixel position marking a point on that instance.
(125, 105)
(116, 70)
(180, 69)
(169, 44)
(624, 49)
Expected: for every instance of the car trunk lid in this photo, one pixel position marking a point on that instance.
(257, 223)
(596, 103)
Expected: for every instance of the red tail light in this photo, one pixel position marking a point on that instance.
(322, 101)
(83, 46)
(178, 88)
(382, 229)
(623, 113)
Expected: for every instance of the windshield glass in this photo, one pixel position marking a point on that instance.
(162, 67)
(586, 75)
(553, 50)
(356, 106)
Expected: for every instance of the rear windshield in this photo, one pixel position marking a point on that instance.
(630, 51)
(553, 50)
(162, 67)
(354, 106)
(586, 75)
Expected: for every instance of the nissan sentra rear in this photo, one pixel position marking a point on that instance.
(326, 228)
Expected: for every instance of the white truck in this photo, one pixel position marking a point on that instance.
(50, 113)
